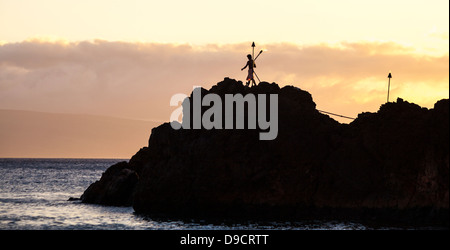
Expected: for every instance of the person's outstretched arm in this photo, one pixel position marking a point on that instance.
(245, 66)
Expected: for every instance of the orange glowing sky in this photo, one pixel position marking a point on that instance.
(126, 59)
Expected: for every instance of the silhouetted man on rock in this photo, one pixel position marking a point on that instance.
(250, 65)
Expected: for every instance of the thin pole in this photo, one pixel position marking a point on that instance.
(253, 59)
(389, 85)
(254, 69)
(257, 56)
(256, 75)
(253, 51)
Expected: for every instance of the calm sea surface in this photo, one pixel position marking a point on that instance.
(34, 194)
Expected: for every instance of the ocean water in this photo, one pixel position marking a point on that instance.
(34, 195)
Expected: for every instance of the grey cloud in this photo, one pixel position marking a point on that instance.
(137, 79)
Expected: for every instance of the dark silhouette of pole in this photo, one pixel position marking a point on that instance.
(258, 55)
(254, 59)
(256, 76)
(253, 51)
(389, 85)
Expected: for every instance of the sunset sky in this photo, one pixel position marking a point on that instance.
(125, 59)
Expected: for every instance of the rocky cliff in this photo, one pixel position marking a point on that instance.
(393, 163)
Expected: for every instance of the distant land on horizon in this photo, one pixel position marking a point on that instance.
(32, 134)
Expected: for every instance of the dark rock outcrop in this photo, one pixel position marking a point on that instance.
(114, 187)
(392, 163)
